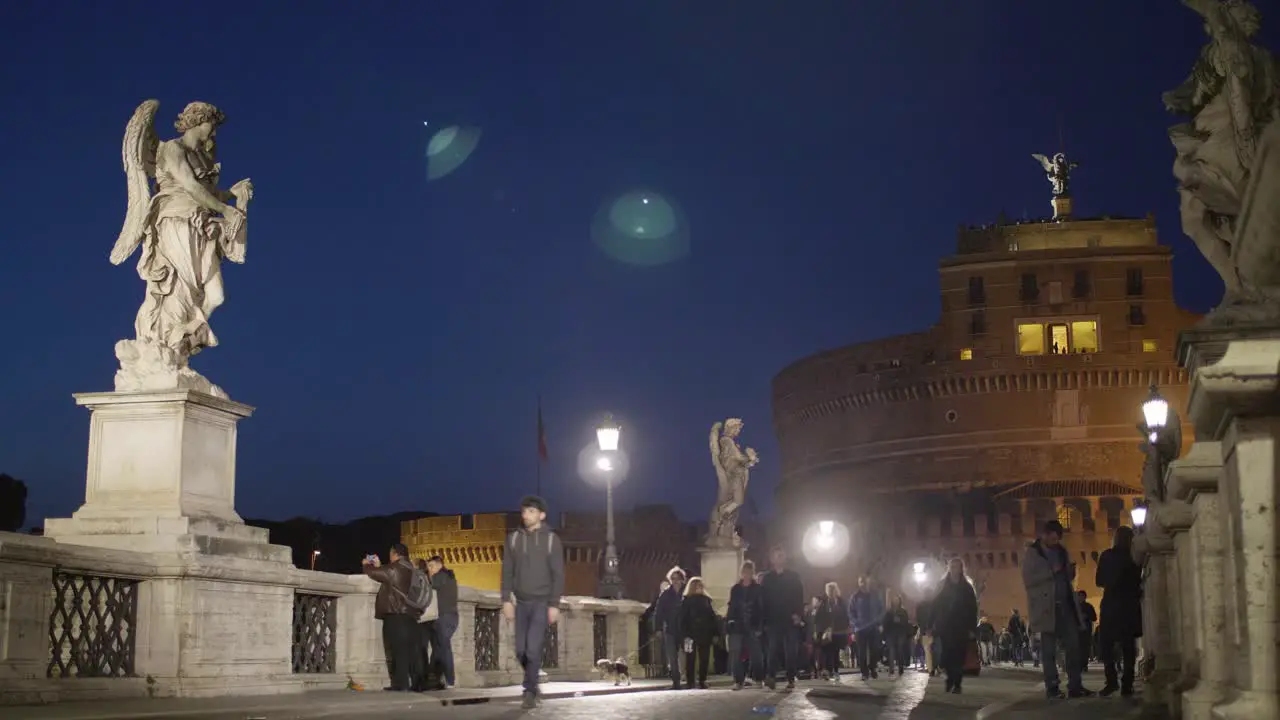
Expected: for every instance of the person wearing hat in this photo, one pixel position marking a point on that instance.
(1054, 611)
(532, 583)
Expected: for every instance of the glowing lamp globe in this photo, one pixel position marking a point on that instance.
(1155, 410)
(1138, 515)
(608, 434)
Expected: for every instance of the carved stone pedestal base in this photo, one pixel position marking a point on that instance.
(161, 478)
(721, 568)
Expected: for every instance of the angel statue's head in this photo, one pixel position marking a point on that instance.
(732, 427)
(199, 122)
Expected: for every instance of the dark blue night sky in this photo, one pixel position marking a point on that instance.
(396, 333)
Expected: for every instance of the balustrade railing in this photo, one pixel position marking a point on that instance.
(487, 626)
(92, 626)
(315, 633)
(551, 647)
(599, 636)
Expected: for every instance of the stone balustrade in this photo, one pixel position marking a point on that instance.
(79, 622)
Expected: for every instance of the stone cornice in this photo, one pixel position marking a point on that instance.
(989, 381)
(1236, 372)
(1196, 472)
(1172, 517)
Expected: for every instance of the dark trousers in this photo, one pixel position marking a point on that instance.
(868, 650)
(831, 652)
(748, 643)
(1066, 643)
(531, 631)
(672, 646)
(1128, 656)
(400, 642)
(899, 645)
(702, 654)
(425, 631)
(442, 631)
(954, 647)
(1085, 643)
(782, 641)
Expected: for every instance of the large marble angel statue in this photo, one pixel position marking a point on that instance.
(185, 227)
(733, 467)
(1231, 97)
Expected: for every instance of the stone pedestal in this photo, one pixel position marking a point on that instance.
(161, 477)
(1153, 548)
(1194, 480)
(1235, 400)
(721, 568)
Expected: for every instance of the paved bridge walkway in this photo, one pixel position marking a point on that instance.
(999, 694)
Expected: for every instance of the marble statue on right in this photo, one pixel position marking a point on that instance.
(1228, 160)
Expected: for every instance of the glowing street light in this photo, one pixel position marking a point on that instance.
(1155, 410)
(607, 436)
(826, 538)
(1139, 515)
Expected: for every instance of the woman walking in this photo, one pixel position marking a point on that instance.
(955, 619)
(700, 625)
(832, 624)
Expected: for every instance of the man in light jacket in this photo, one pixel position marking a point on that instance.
(1053, 609)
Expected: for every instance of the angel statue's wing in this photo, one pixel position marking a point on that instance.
(1046, 162)
(715, 450)
(139, 155)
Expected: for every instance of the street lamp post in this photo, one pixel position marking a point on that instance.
(607, 436)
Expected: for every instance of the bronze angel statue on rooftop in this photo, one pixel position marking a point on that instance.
(1058, 171)
(732, 471)
(185, 226)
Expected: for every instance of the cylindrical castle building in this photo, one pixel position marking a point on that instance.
(1018, 406)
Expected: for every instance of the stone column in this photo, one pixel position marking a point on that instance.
(1194, 479)
(1153, 549)
(1234, 399)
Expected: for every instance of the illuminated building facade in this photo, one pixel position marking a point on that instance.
(1019, 405)
(651, 539)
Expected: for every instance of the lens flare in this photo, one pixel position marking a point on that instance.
(449, 148)
(641, 227)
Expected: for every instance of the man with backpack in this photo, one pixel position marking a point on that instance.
(403, 594)
(532, 583)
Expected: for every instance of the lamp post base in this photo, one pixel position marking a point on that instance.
(611, 587)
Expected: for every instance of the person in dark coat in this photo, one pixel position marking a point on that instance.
(897, 636)
(955, 618)
(1090, 617)
(783, 593)
(1121, 624)
(666, 620)
(744, 624)
(831, 625)
(700, 625)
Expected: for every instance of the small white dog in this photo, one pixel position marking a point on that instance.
(616, 670)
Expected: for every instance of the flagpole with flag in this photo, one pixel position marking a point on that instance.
(542, 446)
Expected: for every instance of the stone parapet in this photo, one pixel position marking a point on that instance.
(92, 623)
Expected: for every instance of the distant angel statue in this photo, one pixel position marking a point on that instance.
(186, 227)
(1058, 171)
(732, 470)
